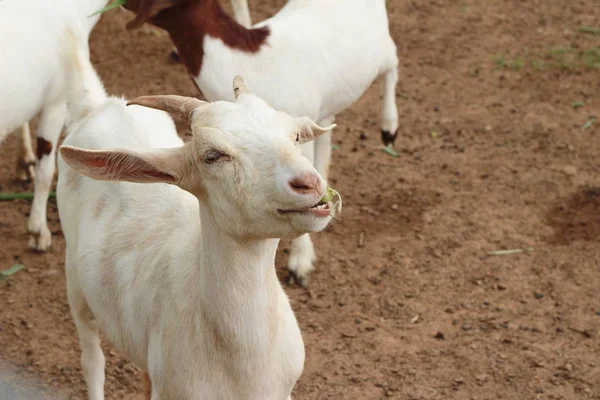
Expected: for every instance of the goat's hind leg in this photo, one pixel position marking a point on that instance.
(323, 149)
(92, 358)
(302, 257)
(52, 120)
(389, 110)
(25, 169)
(302, 253)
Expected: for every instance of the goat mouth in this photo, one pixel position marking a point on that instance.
(321, 209)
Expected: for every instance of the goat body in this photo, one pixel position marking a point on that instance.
(44, 44)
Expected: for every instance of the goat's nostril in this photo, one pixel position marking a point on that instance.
(305, 184)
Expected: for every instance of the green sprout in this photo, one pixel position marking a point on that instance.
(329, 195)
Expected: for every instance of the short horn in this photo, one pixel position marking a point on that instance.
(181, 106)
(239, 86)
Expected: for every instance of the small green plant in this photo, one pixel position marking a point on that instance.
(577, 104)
(389, 149)
(329, 195)
(537, 65)
(7, 273)
(115, 4)
(591, 58)
(500, 61)
(589, 29)
(589, 123)
(515, 64)
(22, 196)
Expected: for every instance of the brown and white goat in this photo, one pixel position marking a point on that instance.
(313, 58)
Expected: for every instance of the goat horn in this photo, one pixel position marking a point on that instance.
(239, 86)
(181, 106)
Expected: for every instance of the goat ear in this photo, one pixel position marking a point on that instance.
(308, 130)
(159, 165)
(148, 9)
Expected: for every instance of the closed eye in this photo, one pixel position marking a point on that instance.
(212, 156)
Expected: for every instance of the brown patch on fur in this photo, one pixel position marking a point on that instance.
(100, 207)
(187, 22)
(147, 387)
(44, 148)
(72, 180)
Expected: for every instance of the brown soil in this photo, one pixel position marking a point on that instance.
(493, 156)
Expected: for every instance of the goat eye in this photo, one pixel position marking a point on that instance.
(298, 137)
(212, 156)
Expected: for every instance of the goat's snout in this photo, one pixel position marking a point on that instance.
(306, 184)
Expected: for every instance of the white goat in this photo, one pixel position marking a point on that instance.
(313, 58)
(179, 274)
(43, 44)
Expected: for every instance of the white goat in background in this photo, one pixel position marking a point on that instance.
(179, 271)
(313, 58)
(43, 44)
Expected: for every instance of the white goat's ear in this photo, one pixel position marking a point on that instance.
(308, 130)
(160, 165)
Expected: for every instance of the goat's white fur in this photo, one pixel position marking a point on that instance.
(320, 58)
(184, 284)
(43, 44)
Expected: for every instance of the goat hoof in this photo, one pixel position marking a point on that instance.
(25, 171)
(388, 138)
(174, 57)
(301, 281)
(40, 241)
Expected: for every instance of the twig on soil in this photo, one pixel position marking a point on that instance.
(22, 196)
(585, 332)
(11, 271)
(510, 251)
(361, 240)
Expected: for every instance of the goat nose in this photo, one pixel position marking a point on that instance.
(306, 184)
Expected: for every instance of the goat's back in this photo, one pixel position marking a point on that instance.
(33, 39)
(118, 233)
(319, 59)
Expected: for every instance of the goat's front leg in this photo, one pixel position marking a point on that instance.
(25, 170)
(92, 358)
(52, 121)
(389, 111)
(302, 257)
(302, 253)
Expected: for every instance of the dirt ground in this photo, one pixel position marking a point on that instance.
(498, 150)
